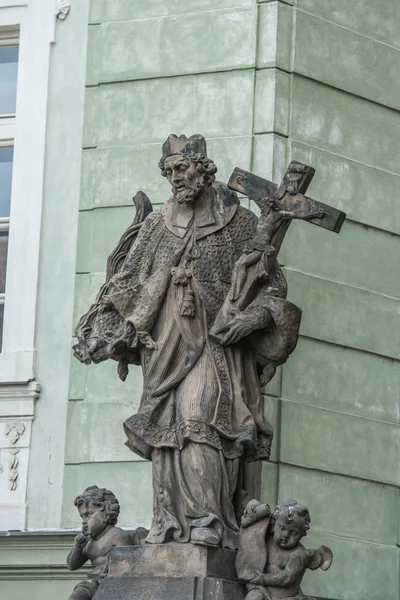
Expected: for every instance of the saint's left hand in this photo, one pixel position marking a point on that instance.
(239, 327)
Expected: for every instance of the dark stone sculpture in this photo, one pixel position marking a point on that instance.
(99, 510)
(194, 294)
(271, 560)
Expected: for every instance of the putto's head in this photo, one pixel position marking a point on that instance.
(290, 522)
(185, 163)
(98, 508)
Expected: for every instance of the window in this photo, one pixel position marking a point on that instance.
(8, 95)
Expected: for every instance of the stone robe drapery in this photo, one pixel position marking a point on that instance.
(201, 412)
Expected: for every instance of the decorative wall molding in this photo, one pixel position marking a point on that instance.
(13, 476)
(62, 8)
(17, 410)
(14, 431)
(37, 556)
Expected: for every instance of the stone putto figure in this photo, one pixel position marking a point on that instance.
(271, 560)
(99, 510)
(201, 415)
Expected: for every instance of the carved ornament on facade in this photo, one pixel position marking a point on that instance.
(14, 431)
(14, 462)
(62, 9)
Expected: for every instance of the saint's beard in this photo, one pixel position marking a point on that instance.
(189, 193)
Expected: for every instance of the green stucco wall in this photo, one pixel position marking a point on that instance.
(312, 80)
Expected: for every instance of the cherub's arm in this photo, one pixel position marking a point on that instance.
(76, 559)
(291, 574)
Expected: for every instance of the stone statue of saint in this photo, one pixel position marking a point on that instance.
(201, 415)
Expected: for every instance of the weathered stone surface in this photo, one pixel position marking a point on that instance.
(126, 10)
(305, 380)
(324, 117)
(97, 231)
(163, 572)
(168, 588)
(351, 327)
(272, 115)
(367, 247)
(377, 19)
(116, 114)
(84, 422)
(270, 156)
(172, 560)
(360, 570)
(275, 34)
(111, 48)
(354, 53)
(336, 452)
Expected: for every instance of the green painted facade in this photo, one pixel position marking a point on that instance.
(264, 82)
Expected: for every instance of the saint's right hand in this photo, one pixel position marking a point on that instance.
(90, 350)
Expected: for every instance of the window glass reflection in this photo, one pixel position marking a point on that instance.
(6, 162)
(8, 79)
(3, 260)
(1, 325)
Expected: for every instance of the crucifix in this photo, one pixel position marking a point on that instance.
(279, 205)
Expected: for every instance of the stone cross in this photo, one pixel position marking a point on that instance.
(290, 193)
(291, 202)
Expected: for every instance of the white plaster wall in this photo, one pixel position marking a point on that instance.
(57, 266)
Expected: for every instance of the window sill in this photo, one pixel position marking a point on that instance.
(16, 367)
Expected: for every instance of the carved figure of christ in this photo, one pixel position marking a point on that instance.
(278, 205)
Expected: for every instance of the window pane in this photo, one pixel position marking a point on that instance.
(6, 162)
(8, 79)
(3, 260)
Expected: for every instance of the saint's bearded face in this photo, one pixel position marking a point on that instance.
(186, 180)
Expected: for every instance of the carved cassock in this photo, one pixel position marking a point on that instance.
(201, 413)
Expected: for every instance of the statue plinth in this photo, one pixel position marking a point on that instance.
(170, 571)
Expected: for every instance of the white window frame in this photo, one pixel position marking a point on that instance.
(8, 37)
(35, 22)
(31, 23)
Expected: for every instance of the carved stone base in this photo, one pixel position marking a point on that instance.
(171, 572)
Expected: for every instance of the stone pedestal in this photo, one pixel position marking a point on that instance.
(170, 572)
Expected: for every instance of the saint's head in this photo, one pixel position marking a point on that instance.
(290, 522)
(185, 163)
(98, 508)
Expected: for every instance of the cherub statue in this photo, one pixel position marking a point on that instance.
(271, 560)
(99, 510)
(260, 248)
